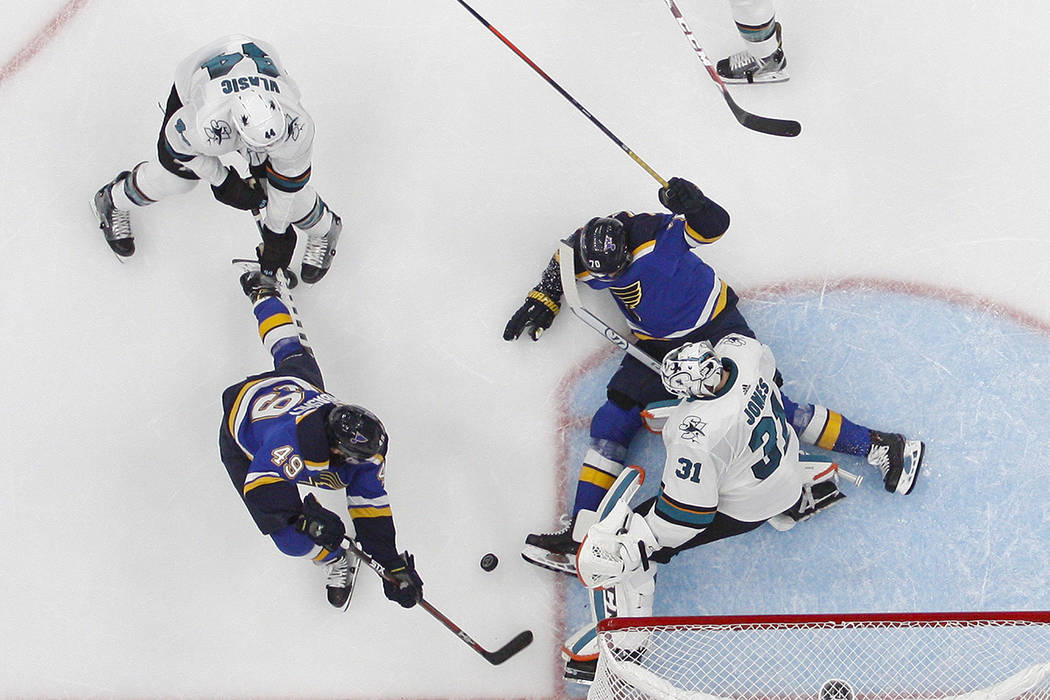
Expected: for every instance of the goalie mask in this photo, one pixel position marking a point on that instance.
(258, 118)
(355, 433)
(692, 371)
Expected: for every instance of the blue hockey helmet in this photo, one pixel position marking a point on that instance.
(603, 247)
(355, 432)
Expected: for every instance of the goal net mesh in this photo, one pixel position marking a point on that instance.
(971, 656)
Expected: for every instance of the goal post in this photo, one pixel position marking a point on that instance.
(895, 656)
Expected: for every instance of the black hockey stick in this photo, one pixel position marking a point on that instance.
(765, 125)
(577, 105)
(495, 658)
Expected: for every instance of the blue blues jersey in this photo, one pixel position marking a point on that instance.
(277, 420)
(666, 291)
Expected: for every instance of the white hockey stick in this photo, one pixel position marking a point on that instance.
(566, 267)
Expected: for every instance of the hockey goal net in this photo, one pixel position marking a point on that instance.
(971, 656)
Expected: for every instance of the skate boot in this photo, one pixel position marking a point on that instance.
(898, 459)
(320, 249)
(342, 573)
(115, 223)
(745, 67)
(554, 550)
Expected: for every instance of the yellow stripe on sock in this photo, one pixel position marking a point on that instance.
(597, 477)
(272, 322)
(830, 435)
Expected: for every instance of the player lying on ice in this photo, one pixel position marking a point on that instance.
(669, 297)
(231, 96)
(282, 430)
(733, 463)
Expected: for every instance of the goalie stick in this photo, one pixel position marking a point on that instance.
(495, 658)
(571, 296)
(765, 125)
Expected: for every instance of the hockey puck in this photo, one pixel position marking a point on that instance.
(489, 562)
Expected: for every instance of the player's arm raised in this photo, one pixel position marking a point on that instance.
(705, 219)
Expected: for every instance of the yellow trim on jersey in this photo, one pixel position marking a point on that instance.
(830, 435)
(697, 237)
(235, 409)
(643, 249)
(370, 512)
(322, 554)
(720, 305)
(262, 481)
(271, 322)
(597, 477)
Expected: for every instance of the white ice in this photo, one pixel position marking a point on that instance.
(134, 571)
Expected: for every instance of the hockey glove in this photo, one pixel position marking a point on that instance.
(681, 196)
(537, 314)
(407, 588)
(321, 525)
(237, 193)
(256, 287)
(276, 250)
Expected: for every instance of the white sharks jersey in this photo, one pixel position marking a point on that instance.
(200, 132)
(734, 453)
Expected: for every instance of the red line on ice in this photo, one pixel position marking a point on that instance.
(41, 39)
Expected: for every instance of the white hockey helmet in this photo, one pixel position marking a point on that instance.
(692, 371)
(258, 118)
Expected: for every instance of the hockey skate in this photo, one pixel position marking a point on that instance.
(320, 250)
(554, 550)
(898, 459)
(342, 573)
(115, 223)
(744, 67)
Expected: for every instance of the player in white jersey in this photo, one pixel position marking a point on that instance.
(233, 96)
(732, 463)
(763, 60)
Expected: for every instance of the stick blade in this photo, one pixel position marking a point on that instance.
(509, 649)
(764, 125)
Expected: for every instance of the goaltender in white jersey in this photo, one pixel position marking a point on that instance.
(730, 449)
(733, 463)
(232, 96)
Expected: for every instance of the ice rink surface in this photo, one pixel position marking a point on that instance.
(895, 255)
